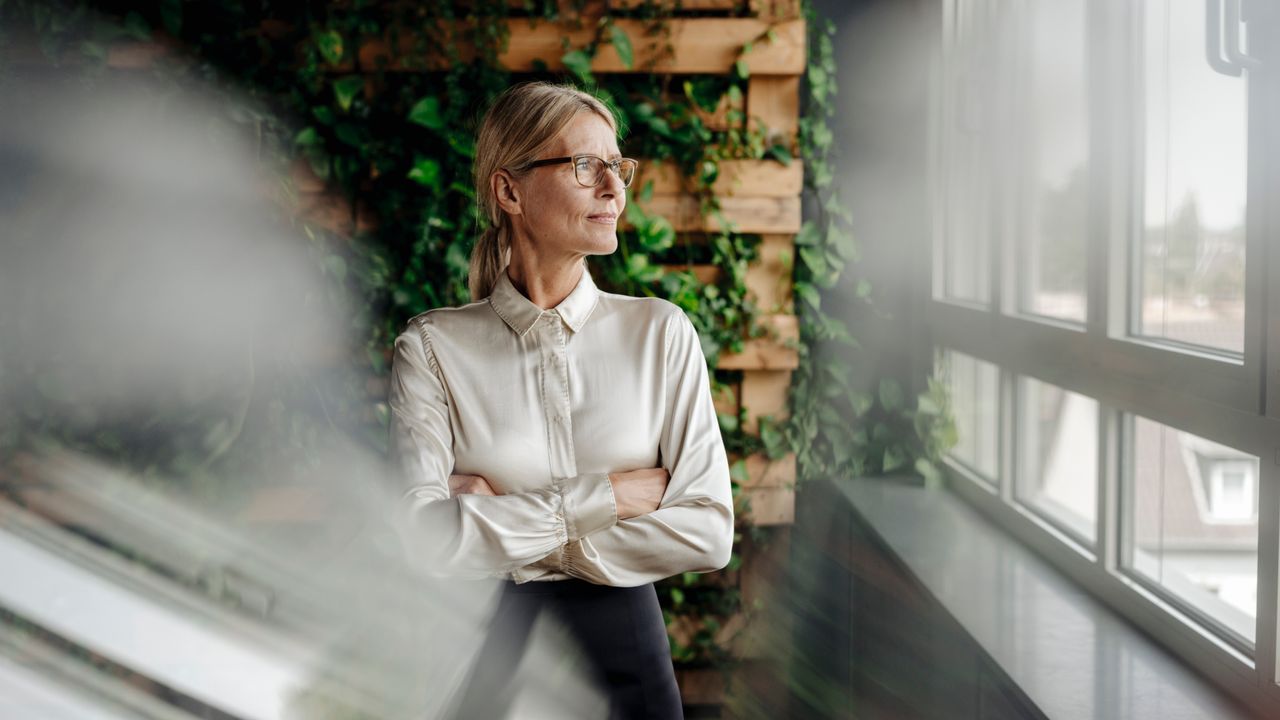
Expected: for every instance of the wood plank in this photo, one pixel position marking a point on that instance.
(595, 7)
(764, 392)
(705, 274)
(701, 46)
(718, 119)
(700, 686)
(327, 210)
(737, 178)
(745, 215)
(769, 277)
(767, 353)
(768, 506)
(774, 103)
(765, 473)
(776, 9)
(726, 400)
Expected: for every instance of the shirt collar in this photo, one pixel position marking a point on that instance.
(521, 314)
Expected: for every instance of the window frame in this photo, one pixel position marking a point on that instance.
(1234, 401)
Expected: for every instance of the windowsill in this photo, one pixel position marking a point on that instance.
(1068, 653)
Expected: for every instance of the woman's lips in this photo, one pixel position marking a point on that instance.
(605, 219)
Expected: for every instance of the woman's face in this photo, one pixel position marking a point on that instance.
(562, 217)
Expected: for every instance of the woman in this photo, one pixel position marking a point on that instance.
(556, 436)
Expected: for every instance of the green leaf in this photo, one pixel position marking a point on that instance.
(890, 394)
(426, 172)
(427, 113)
(330, 46)
(807, 292)
(346, 89)
(893, 458)
(741, 70)
(781, 153)
(307, 137)
(622, 43)
(864, 289)
(578, 62)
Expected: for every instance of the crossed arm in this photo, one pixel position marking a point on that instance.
(622, 528)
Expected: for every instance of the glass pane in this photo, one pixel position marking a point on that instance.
(965, 214)
(1193, 522)
(1192, 254)
(1058, 455)
(1053, 205)
(975, 394)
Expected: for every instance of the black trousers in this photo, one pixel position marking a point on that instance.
(620, 630)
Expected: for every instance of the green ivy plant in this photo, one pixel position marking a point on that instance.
(399, 146)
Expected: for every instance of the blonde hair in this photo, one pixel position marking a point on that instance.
(521, 124)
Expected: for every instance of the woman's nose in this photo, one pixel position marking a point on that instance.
(611, 184)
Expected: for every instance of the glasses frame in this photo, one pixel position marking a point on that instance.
(614, 165)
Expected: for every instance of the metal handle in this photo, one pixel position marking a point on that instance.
(1234, 53)
(1213, 39)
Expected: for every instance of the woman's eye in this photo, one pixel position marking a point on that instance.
(584, 164)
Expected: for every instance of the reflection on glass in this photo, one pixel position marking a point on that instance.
(1053, 207)
(964, 214)
(1192, 522)
(1058, 455)
(1191, 257)
(974, 387)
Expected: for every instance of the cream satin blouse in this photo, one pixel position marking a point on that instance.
(544, 404)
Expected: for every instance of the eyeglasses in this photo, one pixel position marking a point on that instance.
(588, 170)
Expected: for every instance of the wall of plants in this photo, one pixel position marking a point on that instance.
(373, 107)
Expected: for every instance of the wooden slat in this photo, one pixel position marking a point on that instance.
(718, 119)
(595, 7)
(774, 102)
(726, 400)
(765, 473)
(769, 277)
(767, 353)
(701, 46)
(705, 274)
(745, 215)
(327, 210)
(776, 9)
(768, 506)
(764, 392)
(738, 178)
(700, 686)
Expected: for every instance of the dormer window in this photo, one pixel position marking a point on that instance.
(1232, 490)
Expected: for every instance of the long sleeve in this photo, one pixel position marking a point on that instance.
(471, 535)
(692, 530)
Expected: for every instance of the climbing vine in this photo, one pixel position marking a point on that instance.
(392, 132)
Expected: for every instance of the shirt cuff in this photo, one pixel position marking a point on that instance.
(588, 504)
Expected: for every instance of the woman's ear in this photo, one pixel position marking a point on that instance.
(506, 192)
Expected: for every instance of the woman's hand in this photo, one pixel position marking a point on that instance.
(469, 485)
(638, 492)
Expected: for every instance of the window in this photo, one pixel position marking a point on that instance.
(975, 402)
(1058, 456)
(1052, 183)
(1191, 254)
(1179, 492)
(1101, 304)
(1233, 491)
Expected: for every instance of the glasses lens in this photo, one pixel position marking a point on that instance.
(589, 170)
(627, 171)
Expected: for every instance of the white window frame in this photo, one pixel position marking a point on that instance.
(1234, 401)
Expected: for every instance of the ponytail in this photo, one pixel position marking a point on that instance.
(488, 258)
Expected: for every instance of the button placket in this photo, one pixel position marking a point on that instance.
(556, 396)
